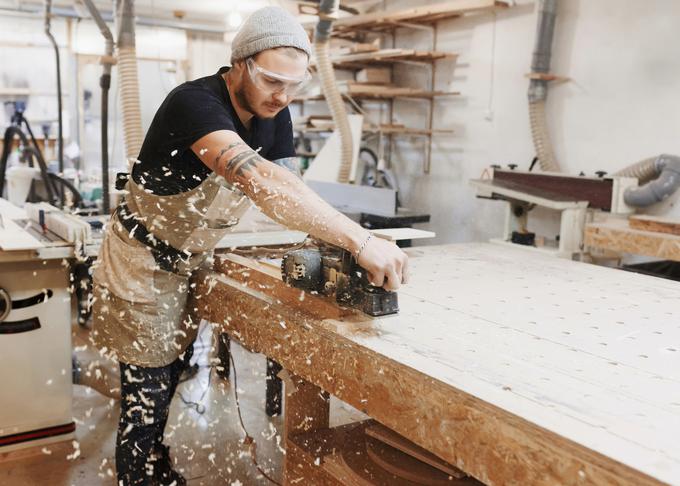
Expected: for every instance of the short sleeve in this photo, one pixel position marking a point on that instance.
(283, 139)
(193, 113)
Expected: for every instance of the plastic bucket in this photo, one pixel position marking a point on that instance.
(19, 183)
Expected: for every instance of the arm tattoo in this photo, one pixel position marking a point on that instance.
(290, 163)
(225, 150)
(241, 163)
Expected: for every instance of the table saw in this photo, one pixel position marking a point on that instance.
(35, 321)
(513, 366)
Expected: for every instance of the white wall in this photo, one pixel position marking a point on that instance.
(27, 61)
(623, 102)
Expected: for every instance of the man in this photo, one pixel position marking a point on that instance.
(207, 154)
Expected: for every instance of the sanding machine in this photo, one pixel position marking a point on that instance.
(331, 270)
(575, 199)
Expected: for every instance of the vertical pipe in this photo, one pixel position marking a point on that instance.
(538, 88)
(48, 15)
(105, 84)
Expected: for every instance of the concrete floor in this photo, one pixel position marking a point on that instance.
(204, 439)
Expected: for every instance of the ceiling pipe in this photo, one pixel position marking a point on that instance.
(72, 13)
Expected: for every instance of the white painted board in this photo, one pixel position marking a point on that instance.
(396, 234)
(587, 352)
(326, 164)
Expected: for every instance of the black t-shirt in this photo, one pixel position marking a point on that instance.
(167, 165)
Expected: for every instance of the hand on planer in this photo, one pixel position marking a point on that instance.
(386, 263)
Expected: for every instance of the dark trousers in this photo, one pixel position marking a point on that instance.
(145, 403)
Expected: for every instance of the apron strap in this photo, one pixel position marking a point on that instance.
(167, 257)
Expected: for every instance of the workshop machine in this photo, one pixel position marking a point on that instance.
(576, 199)
(35, 321)
(332, 270)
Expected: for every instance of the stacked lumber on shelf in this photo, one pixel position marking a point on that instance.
(429, 14)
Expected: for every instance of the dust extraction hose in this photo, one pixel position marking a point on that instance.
(328, 10)
(538, 88)
(129, 83)
(665, 172)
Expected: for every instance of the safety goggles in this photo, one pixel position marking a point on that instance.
(274, 82)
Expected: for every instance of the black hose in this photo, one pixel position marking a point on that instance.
(10, 133)
(77, 197)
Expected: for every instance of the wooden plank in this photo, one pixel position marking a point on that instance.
(356, 89)
(396, 234)
(422, 14)
(260, 277)
(655, 224)
(616, 235)
(387, 93)
(501, 393)
(389, 56)
(547, 77)
(393, 439)
(353, 458)
(261, 238)
(384, 128)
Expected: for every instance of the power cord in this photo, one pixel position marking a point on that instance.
(248, 440)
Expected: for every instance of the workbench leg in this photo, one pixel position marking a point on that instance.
(274, 388)
(307, 408)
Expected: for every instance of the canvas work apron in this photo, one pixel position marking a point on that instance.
(139, 314)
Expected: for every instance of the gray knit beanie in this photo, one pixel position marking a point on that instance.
(267, 28)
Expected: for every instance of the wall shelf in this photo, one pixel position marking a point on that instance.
(366, 31)
(386, 57)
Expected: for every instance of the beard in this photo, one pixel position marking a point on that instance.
(247, 98)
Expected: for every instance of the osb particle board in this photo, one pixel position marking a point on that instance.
(655, 224)
(616, 235)
(564, 371)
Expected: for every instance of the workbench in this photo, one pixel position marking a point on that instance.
(516, 367)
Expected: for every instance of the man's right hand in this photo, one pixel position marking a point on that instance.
(386, 263)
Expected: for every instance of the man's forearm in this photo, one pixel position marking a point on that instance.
(285, 198)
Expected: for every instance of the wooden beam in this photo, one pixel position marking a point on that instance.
(307, 410)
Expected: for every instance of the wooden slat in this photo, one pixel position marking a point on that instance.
(264, 278)
(393, 439)
(655, 224)
(386, 129)
(358, 92)
(389, 56)
(422, 14)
